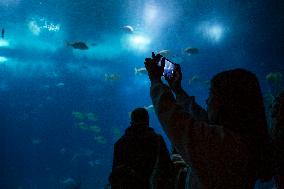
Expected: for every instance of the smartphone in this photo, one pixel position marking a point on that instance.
(169, 68)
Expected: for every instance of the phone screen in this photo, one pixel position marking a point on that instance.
(169, 68)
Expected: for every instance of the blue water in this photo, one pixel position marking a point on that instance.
(44, 83)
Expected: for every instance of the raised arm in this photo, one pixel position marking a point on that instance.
(187, 102)
(186, 133)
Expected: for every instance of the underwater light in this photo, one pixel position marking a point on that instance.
(3, 59)
(139, 42)
(150, 14)
(215, 32)
(4, 43)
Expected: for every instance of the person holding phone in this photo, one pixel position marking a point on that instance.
(227, 146)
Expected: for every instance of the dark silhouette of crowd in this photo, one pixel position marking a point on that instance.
(226, 147)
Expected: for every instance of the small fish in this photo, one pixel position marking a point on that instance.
(2, 33)
(78, 45)
(191, 50)
(112, 77)
(164, 52)
(94, 162)
(70, 183)
(140, 71)
(100, 139)
(193, 79)
(128, 29)
(60, 85)
(36, 141)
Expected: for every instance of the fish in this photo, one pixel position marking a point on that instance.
(193, 79)
(2, 33)
(274, 77)
(164, 52)
(140, 71)
(128, 29)
(191, 50)
(100, 139)
(70, 183)
(94, 162)
(60, 85)
(78, 45)
(36, 141)
(112, 77)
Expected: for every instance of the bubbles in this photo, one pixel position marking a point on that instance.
(37, 26)
(34, 28)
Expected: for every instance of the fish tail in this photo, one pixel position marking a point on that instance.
(136, 71)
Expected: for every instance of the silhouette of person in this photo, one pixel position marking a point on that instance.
(278, 138)
(227, 151)
(142, 152)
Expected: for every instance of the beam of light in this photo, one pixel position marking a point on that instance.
(150, 14)
(139, 42)
(3, 59)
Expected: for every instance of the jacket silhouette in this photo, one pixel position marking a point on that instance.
(141, 149)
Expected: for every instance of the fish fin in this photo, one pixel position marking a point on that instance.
(136, 71)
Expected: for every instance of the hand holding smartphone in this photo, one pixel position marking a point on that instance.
(169, 68)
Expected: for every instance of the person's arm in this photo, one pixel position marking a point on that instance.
(183, 99)
(189, 104)
(188, 135)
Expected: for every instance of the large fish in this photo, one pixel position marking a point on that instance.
(78, 45)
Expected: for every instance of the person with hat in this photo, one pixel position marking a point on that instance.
(141, 158)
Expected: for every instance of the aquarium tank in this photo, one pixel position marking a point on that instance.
(71, 72)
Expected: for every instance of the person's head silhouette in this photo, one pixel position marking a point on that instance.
(139, 116)
(236, 102)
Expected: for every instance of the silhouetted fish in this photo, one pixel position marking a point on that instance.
(2, 33)
(191, 50)
(78, 45)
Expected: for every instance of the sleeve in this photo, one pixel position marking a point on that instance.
(189, 104)
(187, 134)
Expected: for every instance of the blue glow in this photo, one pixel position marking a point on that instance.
(4, 43)
(139, 42)
(215, 32)
(3, 59)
